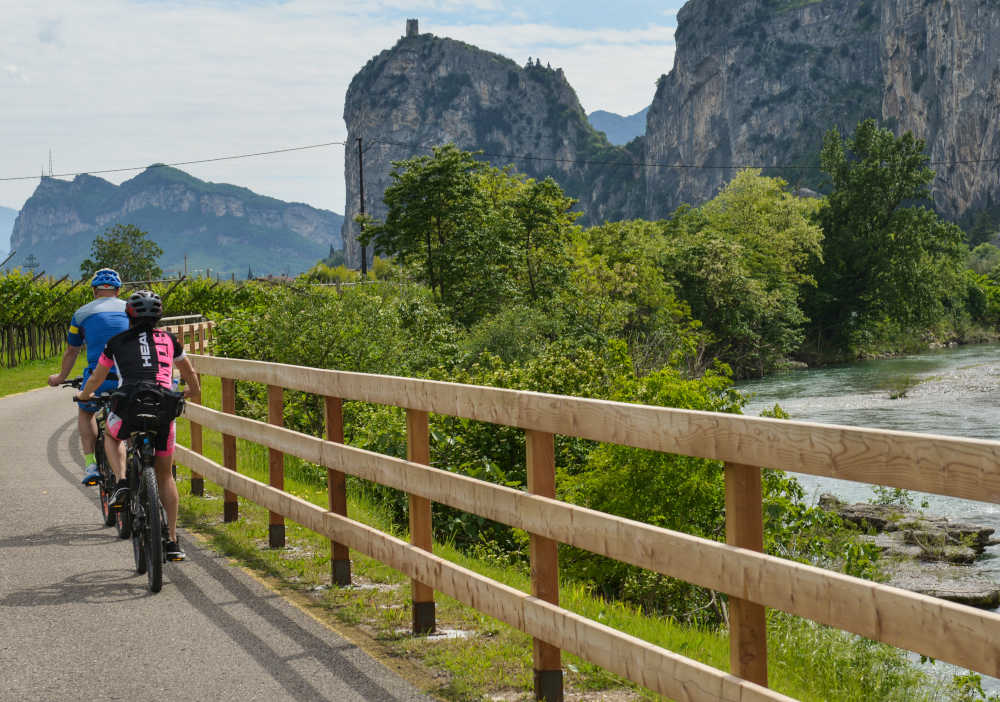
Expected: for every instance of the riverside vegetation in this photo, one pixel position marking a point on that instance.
(492, 283)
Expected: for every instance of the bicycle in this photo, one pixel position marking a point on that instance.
(146, 515)
(106, 483)
(142, 516)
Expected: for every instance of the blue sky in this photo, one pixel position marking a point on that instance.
(108, 84)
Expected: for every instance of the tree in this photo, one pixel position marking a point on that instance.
(886, 259)
(126, 249)
(479, 236)
(741, 262)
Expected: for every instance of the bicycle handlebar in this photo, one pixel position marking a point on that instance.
(77, 383)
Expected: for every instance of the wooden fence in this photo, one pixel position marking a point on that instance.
(933, 627)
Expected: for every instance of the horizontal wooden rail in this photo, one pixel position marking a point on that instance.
(930, 626)
(650, 666)
(966, 468)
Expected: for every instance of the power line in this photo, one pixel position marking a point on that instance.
(183, 163)
(509, 156)
(655, 164)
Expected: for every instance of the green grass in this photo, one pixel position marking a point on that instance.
(34, 374)
(806, 661)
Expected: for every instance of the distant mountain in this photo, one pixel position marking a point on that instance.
(7, 217)
(221, 227)
(619, 130)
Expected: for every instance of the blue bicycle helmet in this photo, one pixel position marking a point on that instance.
(106, 276)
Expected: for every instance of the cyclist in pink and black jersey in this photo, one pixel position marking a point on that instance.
(140, 354)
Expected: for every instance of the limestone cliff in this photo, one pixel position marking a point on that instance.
(223, 227)
(427, 91)
(765, 91)
(754, 83)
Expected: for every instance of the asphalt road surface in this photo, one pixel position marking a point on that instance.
(77, 623)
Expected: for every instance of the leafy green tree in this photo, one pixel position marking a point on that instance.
(885, 257)
(741, 262)
(477, 235)
(617, 289)
(984, 258)
(127, 249)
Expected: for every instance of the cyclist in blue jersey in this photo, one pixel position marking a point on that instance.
(93, 324)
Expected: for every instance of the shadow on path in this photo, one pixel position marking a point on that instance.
(264, 604)
(63, 535)
(97, 587)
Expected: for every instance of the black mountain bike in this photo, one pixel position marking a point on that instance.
(106, 483)
(146, 516)
(142, 516)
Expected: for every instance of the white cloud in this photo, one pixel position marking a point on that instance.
(15, 73)
(115, 83)
(614, 70)
(48, 31)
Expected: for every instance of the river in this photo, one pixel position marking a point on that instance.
(954, 392)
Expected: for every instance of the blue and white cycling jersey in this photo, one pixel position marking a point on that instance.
(95, 323)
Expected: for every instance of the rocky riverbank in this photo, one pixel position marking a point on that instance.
(922, 553)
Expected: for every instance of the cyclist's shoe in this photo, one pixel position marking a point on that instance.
(119, 496)
(173, 551)
(92, 475)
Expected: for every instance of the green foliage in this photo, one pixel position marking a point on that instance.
(984, 258)
(40, 302)
(617, 290)
(324, 273)
(740, 262)
(125, 248)
(883, 256)
(478, 236)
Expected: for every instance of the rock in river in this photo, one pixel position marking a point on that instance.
(923, 553)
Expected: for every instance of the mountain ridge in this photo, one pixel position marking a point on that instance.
(619, 129)
(199, 225)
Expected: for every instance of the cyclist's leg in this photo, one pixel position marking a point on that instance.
(87, 425)
(165, 480)
(115, 447)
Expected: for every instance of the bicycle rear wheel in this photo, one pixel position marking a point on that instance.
(150, 534)
(106, 486)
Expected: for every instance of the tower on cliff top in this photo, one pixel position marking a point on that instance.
(411, 28)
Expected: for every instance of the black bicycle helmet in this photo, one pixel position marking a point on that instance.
(144, 305)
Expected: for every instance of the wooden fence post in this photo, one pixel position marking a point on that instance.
(541, 467)
(197, 481)
(418, 451)
(201, 338)
(745, 529)
(336, 485)
(230, 507)
(276, 464)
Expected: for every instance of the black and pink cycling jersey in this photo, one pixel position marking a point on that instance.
(143, 354)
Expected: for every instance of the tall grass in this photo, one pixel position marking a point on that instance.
(31, 375)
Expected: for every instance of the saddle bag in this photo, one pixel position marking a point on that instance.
(146, 406)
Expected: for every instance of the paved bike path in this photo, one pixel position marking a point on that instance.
(76, 622)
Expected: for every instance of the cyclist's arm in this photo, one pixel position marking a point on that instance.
(68, 361)
(192, 386)
(99, 375)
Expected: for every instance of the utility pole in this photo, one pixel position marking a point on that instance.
(361, 210)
